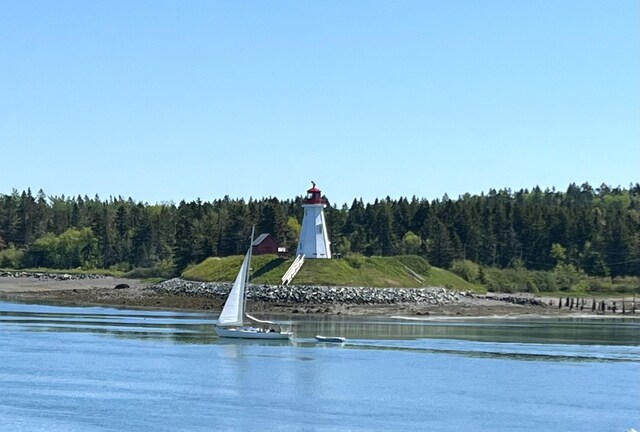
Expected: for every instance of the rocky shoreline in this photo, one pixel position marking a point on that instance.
(298, 294)
(81, 289)
(316, 294)
(100, 290)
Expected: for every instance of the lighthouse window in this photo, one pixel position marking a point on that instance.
(319, 228)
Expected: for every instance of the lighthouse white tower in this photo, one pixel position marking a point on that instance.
(314, 240)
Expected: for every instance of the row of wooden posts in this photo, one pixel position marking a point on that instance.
(602, 306)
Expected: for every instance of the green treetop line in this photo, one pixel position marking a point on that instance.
(594, 230)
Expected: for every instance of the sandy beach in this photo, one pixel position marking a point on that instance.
(103, 292)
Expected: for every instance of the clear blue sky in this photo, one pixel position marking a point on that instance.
(171, 100)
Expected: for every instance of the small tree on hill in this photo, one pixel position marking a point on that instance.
(411, 243)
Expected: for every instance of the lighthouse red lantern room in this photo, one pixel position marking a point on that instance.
(314, 239)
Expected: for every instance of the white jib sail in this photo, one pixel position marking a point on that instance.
(233, 311)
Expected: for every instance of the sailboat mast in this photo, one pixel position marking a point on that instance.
(248, 272)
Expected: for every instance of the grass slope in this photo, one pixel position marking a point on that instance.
(352, 271)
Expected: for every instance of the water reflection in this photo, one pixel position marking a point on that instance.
(177, 327)
(577, 339)
(512, 351)
(625, 331)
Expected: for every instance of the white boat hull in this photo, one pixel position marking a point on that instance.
(333, 339)
(251, 333)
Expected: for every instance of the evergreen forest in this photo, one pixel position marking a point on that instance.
(590, 231)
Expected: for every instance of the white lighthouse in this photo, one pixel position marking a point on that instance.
(314, 239)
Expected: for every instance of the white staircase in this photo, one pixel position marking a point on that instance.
(293, 270)
(414, 275)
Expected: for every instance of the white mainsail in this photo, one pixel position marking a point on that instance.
(232, 319)
(233, 311)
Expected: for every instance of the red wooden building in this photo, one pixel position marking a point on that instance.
(265, 244)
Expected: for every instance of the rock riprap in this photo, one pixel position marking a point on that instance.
(315, 294)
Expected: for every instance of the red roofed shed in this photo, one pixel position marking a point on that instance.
(265, 244)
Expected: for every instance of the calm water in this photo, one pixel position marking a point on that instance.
(100, 369)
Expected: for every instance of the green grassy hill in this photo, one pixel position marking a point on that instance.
(400, 271)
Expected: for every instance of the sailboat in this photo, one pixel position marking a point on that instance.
(234, 321)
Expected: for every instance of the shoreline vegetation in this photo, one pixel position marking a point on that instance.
(410, 303)
(584, 239)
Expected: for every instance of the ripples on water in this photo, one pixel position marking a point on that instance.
(555, 339)
(78, 369)
(180, 327)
